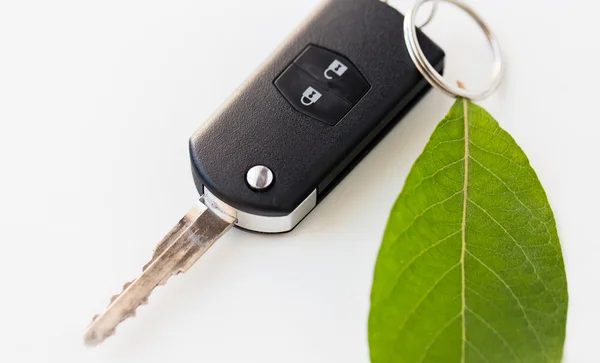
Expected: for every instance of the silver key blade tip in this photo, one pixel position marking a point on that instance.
(91, 338)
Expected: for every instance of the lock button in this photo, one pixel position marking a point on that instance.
(311, 97)
(334, 70)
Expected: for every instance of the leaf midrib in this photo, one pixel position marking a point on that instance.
(464, 227)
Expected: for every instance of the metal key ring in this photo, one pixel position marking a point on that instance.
(427, 70)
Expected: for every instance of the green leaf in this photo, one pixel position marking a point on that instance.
(470, 268)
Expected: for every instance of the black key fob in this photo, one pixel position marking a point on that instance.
(309, 114)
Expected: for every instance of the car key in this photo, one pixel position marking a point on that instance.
(293, 131)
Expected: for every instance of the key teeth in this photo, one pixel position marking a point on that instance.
(125, 286)
(91, 337)
(165, 280)
(133, 313)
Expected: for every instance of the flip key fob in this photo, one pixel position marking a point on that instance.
(309, 114)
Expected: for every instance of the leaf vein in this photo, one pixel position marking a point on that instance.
(520, 247)
(437, 335)
(495, 331)
(422, 213)
(418, 304)
(535, 333)
(477, 351)
(435, 173)
(513, 162)
(423, 251)
(533, 216)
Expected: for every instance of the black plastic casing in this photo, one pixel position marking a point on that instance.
(257, 125)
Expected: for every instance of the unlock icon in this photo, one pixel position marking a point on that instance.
(336, 67)
(310, 96)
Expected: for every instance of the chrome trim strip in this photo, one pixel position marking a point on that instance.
(264, 224)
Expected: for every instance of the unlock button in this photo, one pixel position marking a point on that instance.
(334, 70)
(310, 96)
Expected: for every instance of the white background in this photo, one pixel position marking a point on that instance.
(97, 101)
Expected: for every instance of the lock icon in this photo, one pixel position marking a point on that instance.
(336, 67)
(310, 96)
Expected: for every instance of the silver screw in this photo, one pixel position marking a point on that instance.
(259, 177)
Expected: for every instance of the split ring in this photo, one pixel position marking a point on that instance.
(431, 75)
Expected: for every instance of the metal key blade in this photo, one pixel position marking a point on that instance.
(175, 253)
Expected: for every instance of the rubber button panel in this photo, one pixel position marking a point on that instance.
(310, 96)
(334, 70)
(322, 84)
